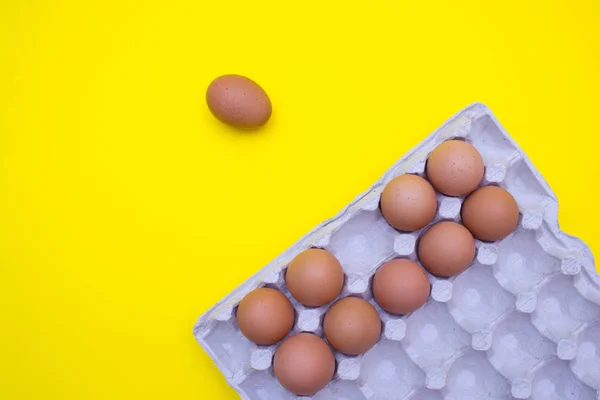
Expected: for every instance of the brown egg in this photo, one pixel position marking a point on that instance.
(265, 316)
(238, 101)
(455, 168)
(490, 213)
(352, 326)
(401, 286)
(446, 249)
(304, 364)
(315, 277)
(408, 202)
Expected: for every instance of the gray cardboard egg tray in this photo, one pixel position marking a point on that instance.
(522, 322)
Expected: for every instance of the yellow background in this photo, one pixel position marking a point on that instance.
(126, 210)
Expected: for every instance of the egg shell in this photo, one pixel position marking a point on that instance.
(315, 277)
(265, 316)
(490, 213)
(352, 326)
(408, 202)
(401, 286)
(238, 101)
(455, 168)
(446, 249)
(304, 364)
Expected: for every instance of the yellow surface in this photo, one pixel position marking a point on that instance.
(126, 210)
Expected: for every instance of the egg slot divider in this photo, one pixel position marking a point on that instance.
(523, 321)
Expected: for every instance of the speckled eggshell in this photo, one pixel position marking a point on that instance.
(490, 213)
(455, 168)
(446, 249)
(401, 286)
(238, 101)
(265, 316)
(315, 277)
(408, 203)
(352, 326)
(304, 364)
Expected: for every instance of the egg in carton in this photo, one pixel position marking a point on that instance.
(523, 321)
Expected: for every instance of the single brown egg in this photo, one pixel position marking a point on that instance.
(490, 213)
(352, 326)
(455, 168)
(265, 316)
(401, 286)
(408, 202)
(304, 364)
(446, 249)
(238, 101)
(315, 277)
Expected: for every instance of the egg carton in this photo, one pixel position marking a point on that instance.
(522, 322)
